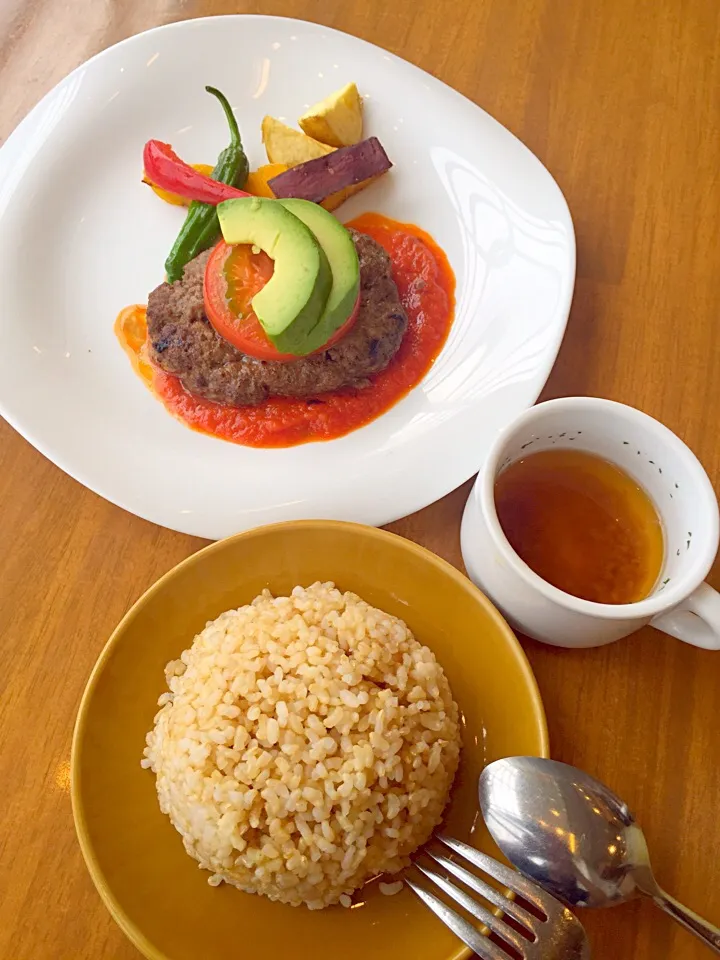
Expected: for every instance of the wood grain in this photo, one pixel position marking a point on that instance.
(621, 100)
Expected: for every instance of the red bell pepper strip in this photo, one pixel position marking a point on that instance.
(166, 170)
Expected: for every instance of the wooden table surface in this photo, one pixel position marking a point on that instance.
(621, 100)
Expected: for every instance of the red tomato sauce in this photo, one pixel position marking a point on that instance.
(426, 285)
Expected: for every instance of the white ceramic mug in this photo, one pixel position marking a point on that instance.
(681, 604)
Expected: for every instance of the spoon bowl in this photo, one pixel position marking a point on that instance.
(573, 836)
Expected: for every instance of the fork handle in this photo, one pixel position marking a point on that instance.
(709, 934)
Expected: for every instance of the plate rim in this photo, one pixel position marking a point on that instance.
(444, 567)
(415, 500)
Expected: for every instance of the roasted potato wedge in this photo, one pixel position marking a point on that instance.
(288, 146)
(337, 120)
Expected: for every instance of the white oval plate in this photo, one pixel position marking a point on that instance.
(81, 237)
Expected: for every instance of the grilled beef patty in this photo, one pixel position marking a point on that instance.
(183, 342)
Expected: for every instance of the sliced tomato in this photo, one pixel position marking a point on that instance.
(233, 275)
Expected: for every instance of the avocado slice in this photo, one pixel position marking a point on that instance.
(292, 302)
(337, 243)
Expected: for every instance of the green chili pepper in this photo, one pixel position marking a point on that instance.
(202, 228)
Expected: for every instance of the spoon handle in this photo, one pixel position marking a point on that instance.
(703, 930)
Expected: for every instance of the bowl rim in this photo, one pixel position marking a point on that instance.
(131, 931)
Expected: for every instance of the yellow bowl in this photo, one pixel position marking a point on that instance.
(155, 892)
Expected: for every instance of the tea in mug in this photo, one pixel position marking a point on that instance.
(582, 524)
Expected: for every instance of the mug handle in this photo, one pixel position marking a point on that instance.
(696, 620)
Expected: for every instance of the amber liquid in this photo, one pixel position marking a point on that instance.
(582, 524)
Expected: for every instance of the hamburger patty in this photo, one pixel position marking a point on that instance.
(183, 342)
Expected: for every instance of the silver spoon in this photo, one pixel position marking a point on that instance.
(573, 836)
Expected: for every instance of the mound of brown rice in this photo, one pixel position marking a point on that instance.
(307, 744)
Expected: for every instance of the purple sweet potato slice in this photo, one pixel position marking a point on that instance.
(317, 179)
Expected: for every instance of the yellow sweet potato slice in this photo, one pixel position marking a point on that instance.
(335, 199)
(257, 181)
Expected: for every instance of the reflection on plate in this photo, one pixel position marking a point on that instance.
(489, 203)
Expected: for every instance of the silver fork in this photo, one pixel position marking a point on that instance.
(560, 936)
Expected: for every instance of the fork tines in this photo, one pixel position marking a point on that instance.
(463, 928)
